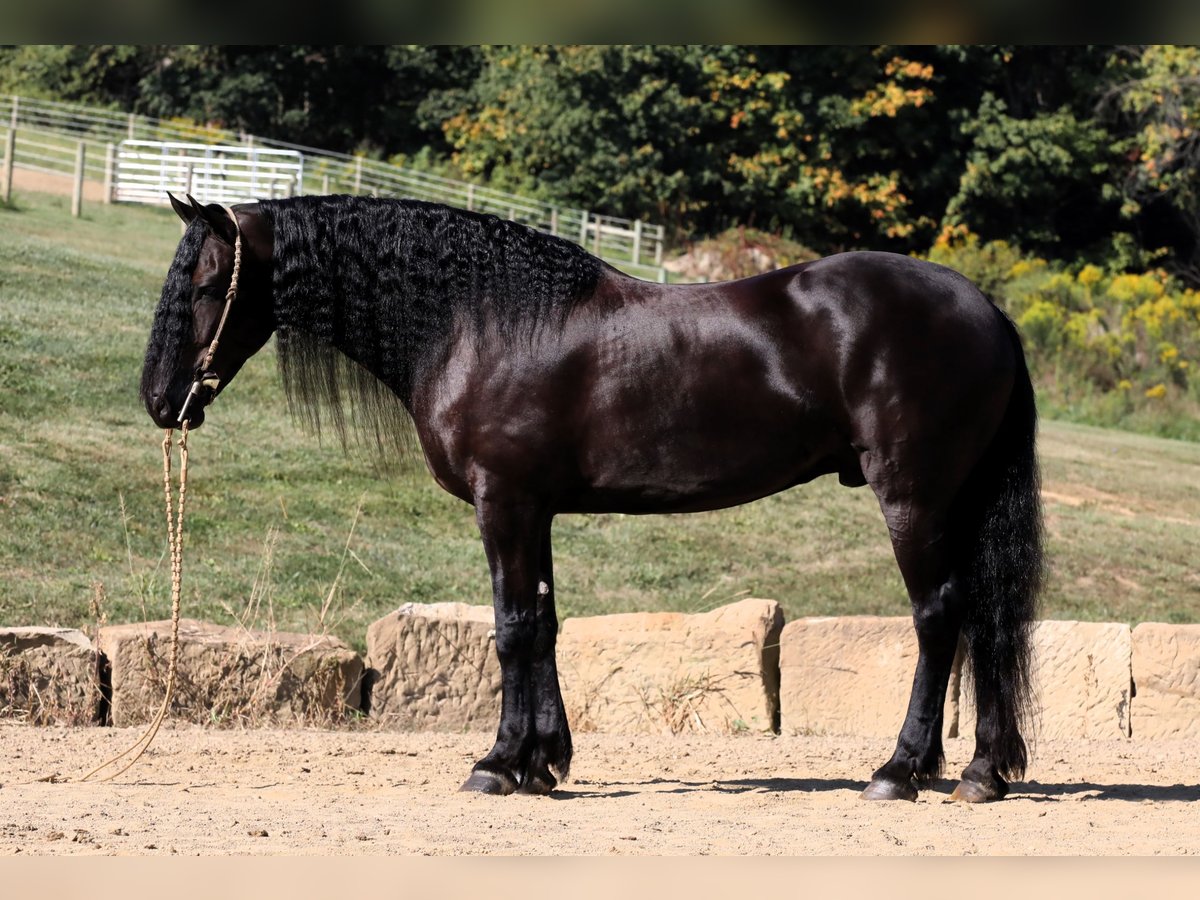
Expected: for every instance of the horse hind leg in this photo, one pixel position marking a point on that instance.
(923, 545)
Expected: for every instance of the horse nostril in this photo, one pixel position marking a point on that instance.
(159, 406)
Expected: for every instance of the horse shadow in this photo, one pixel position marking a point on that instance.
(582, 789)
(1035, 791)
(1130, 793)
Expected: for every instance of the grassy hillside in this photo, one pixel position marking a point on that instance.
(270, 509)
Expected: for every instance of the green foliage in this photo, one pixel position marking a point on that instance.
(1157, 95)
(105, 74)
(1078, 154)
(702, 137)
(1106, 347)
(1031, 180)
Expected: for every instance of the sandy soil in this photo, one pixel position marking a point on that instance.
(55, 183)
(206, 792)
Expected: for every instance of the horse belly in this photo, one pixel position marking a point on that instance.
(680, 457)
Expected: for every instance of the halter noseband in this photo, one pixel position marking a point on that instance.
(206, 378)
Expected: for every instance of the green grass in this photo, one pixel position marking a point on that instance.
(76, 301)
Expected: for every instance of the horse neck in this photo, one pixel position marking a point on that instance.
(346, 290)
(389, 282)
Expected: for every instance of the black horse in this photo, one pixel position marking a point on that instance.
(542, 381)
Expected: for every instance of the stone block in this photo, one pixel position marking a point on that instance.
(851, 675)
(1166, 677)
(1082, 677)
(653, 673)
(231, 675)
(434, 667)
(49, 676)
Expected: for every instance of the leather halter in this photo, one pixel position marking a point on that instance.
(205, 378)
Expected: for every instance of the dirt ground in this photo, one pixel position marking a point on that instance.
(209, 792)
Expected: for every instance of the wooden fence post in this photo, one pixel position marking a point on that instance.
(15, 108)
(358, 175)
(110, 165)
(637, 241)
(658, 247)
(325, 184)
(10, 157)
(77, 193)
(554, 221)
(470, 198)
(131, 123)
(583, 225)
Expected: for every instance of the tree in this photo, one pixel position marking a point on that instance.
(340, 98)
(1156, 94)
(105, 74)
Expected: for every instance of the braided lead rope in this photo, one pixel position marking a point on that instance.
(175, 540)
(175, 529)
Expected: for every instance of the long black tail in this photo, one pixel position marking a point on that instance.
(1002, 514)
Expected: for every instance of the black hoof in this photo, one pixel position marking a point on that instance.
(484, 782)
(880, 789)
(974, 792)
(539, 785)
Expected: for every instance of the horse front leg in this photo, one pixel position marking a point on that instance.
(511, 532)
(551, 751)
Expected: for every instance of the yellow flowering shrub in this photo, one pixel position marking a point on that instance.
(1091, 333)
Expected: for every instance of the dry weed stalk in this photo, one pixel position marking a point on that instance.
(248, 692)
(679, 705)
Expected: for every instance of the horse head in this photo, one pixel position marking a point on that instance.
(192, 304)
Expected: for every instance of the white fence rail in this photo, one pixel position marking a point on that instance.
(146, 170)
(47, 135)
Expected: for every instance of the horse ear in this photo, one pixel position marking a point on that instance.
(217, 219)
(182, 210)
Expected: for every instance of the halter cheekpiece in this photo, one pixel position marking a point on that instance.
(205, 378)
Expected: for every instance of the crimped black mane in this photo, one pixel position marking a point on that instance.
(382, 283)
(172, 328)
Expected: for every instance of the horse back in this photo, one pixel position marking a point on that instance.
(656, 398)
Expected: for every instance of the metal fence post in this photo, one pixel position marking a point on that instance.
(10, 158)
(77, 193)
(110, 159)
